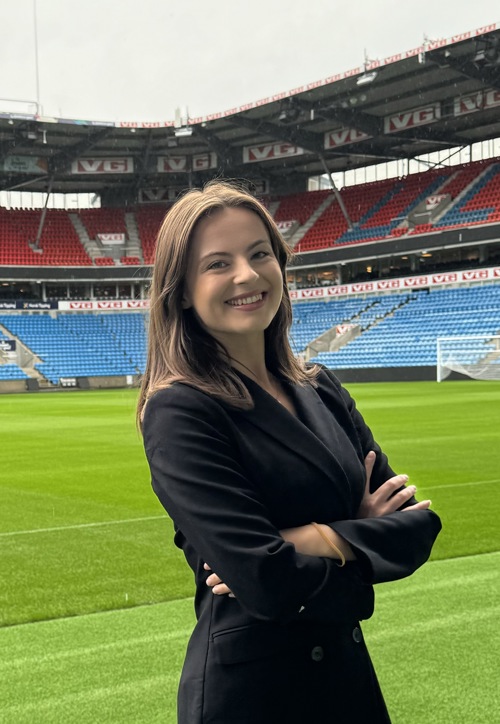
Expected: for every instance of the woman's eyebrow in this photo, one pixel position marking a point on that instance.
(228, 253)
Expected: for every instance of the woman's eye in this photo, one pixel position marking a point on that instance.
(261, 254)
(217, 265)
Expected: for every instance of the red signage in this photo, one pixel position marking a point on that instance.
(416, 282)
(343, 328)
(180, 164)
(102, 165)
(109, 305)
(171, 164)
(311, 293)
(486, 29)
(362, 287)
(285, 225)
(388, 284)
(204, 161)
(460, 36)
(81, 305)
(254, 154)
(481, 100)
(108, 239)
(431, 202)
(105, 305)
(445, 278)
(412, 119)
(390, 59)
(138, 304)
(338, 290)
(334, 139)
(470, 276)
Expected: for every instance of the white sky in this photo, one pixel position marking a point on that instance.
(141, 59)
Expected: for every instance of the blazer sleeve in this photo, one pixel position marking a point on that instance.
(392, 546)
(202, 484)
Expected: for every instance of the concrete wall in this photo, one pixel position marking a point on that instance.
(12, 386)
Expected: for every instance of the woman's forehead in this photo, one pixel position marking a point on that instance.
(230, 224)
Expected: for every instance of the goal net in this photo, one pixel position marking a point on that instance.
(476, 356)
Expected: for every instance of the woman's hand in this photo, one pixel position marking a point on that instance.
(385, 499)
(218, 587)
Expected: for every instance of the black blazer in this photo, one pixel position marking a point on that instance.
(288, 647)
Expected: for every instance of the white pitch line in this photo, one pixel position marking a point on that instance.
(81, 525)
(458, 485)
(158, 517)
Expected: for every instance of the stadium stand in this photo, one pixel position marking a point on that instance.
(148, 220)
(394, 330)
(103, 221)
(480, 204)
(332, 224)
(406, 335)
(12, 372)
(59, 244)
(378, 210)
(79, 345)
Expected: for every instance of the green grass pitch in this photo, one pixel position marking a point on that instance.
(95, 602)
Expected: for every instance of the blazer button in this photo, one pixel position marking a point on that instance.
(317, 653)
(357, 635)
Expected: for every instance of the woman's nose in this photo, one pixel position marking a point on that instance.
(244, 272)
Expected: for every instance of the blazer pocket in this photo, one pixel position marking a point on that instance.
(248, 643)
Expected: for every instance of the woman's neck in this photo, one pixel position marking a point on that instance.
(256, 369)
(248, 356)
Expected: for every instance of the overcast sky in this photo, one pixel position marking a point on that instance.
(141, 59)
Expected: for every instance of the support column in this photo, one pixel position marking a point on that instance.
(336, 192)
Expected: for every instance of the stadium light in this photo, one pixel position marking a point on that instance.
(487, 51)
(183, 132)
(367, 78)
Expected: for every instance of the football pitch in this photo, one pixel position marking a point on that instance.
(96, 603)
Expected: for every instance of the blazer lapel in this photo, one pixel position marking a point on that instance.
(312, 434)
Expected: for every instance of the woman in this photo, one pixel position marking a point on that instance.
(285, 507)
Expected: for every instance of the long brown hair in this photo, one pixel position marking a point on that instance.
(179, 349)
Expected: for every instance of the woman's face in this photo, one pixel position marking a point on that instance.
(234, 283)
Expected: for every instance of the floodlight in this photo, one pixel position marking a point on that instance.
(183, 132)
(367, 78)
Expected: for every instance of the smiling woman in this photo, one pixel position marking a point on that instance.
(234, 284)
(216, 249)
(285, 507)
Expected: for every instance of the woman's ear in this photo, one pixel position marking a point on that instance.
(186, 303)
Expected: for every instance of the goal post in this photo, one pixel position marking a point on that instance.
(476, 356)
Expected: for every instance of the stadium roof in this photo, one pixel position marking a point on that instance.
(442, 95)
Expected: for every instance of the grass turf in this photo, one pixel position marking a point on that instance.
(123, 666)
(81, 532)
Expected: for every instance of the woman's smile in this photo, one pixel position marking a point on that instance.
(249, 302)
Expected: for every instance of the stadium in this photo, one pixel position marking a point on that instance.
(385, 182)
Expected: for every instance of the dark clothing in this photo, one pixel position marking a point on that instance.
(288, 649)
